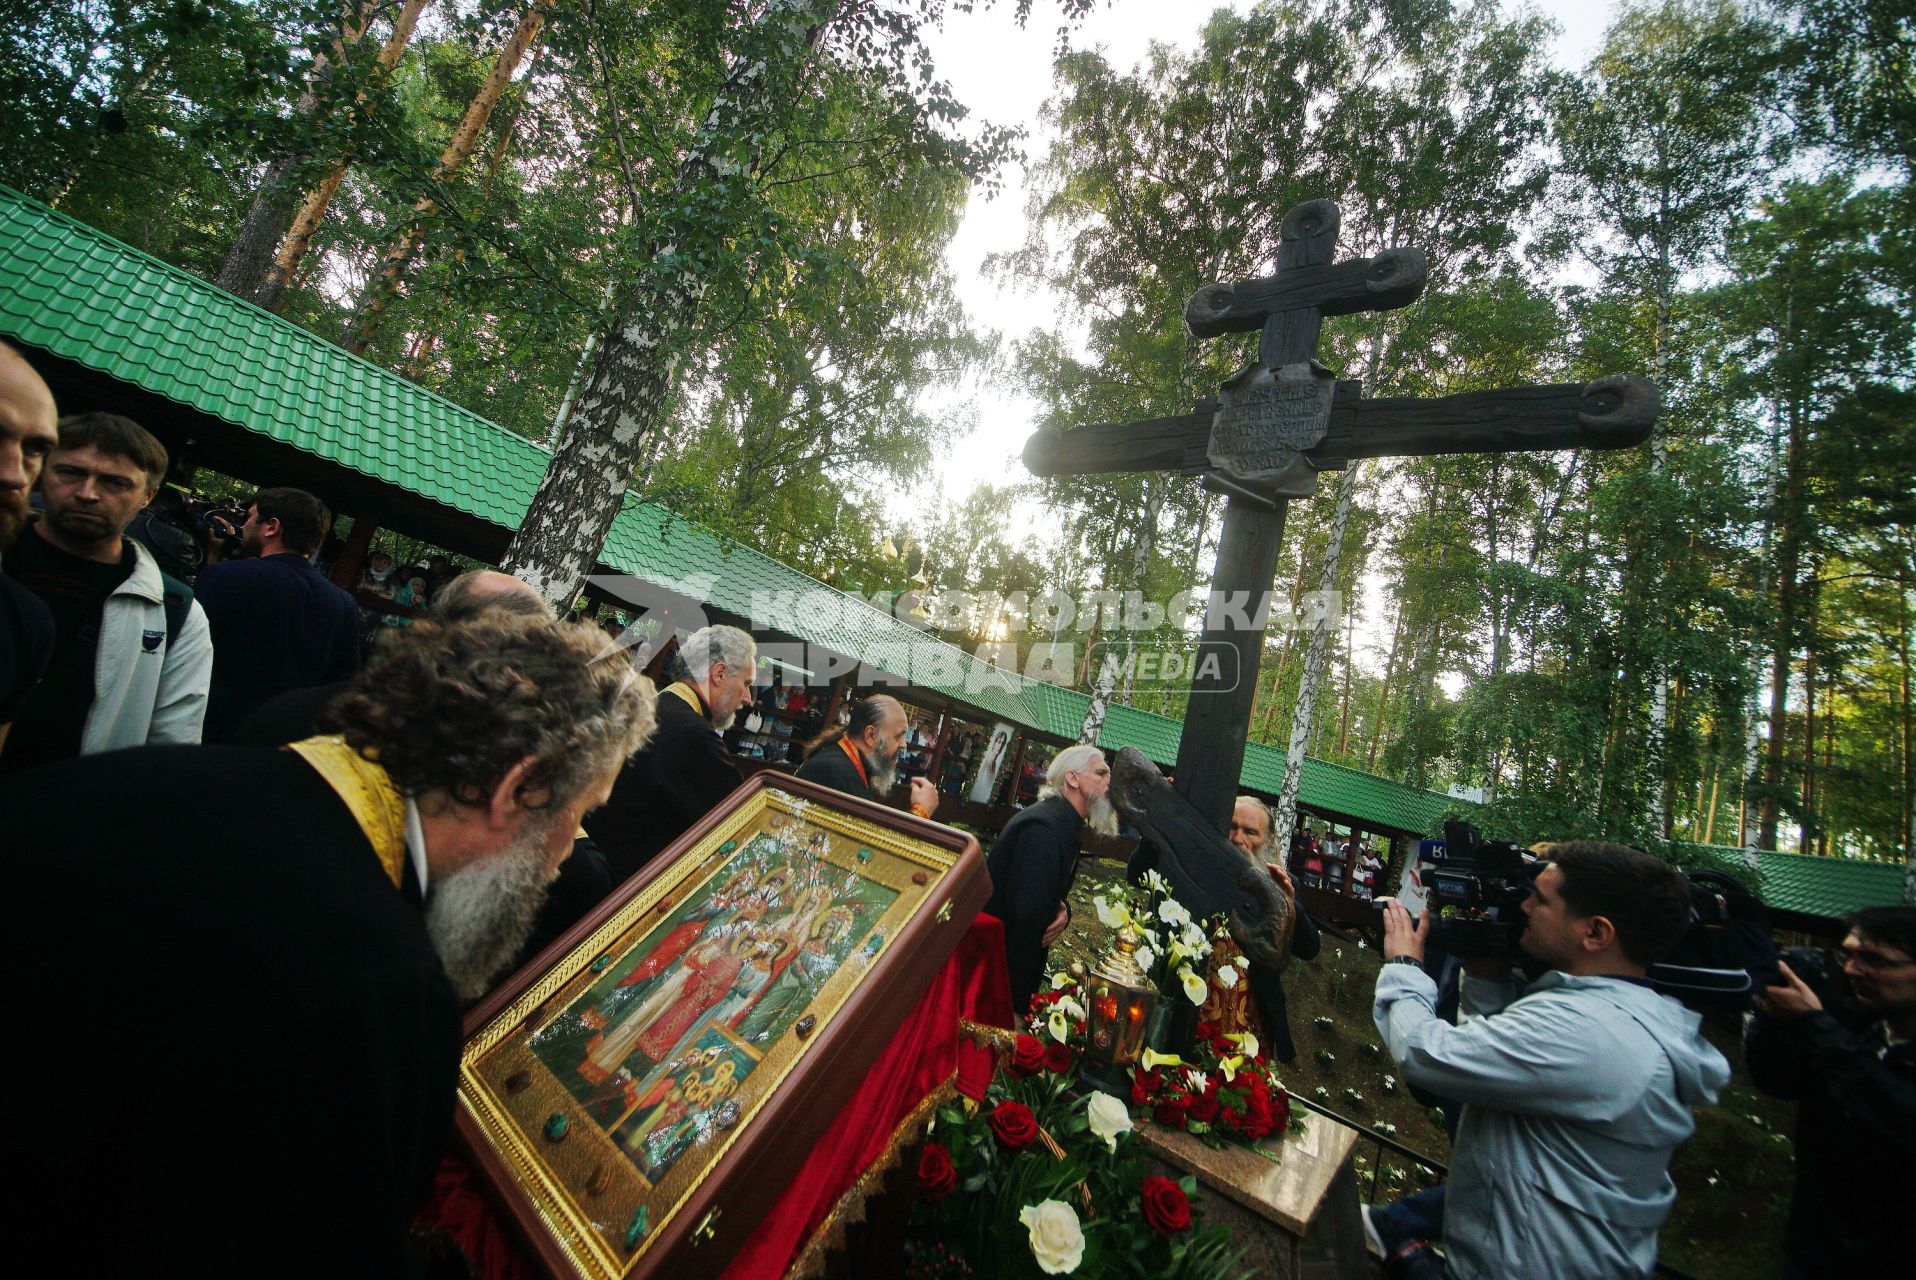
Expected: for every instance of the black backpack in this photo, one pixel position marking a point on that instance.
(177, 599)
(1727, 953)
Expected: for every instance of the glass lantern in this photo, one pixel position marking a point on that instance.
(1121, 998)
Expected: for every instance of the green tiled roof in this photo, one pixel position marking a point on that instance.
(1831, 887)
(87, 298)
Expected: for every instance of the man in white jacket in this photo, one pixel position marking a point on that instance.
(132, 651)
(1577, 1088)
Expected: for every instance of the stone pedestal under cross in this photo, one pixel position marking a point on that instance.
(1284, 418)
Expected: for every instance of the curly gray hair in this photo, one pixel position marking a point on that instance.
(449, 709)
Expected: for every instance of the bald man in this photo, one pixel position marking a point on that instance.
(28, 433)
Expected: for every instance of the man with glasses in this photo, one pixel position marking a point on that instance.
(1851, 1067)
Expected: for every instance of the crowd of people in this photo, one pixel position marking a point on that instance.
(1325, 862)
(259, 885)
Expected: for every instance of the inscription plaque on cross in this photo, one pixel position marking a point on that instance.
(1279, 421)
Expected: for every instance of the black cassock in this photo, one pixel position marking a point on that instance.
(1032, 866)
(234, 1048)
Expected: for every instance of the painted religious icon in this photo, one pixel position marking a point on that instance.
(613, 1087)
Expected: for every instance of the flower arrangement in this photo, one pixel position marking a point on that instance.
(1225, 1091)
(1174, 946)
(1044, 1180)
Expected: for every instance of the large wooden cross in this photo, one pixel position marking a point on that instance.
(1284, 418)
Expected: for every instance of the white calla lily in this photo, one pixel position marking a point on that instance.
(1060, 1029)
(1152, 1060)
(1194, 988)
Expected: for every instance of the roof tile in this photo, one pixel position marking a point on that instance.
(90, 299)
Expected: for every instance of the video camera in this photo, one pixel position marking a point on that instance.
(1477, 888)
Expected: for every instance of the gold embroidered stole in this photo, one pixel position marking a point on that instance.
(368, 793)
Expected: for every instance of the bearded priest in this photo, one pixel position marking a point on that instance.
(238, 970)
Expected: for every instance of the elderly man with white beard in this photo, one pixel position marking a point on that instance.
(246, 965)
(1035, 859)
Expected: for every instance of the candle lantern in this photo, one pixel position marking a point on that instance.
(1121, 997)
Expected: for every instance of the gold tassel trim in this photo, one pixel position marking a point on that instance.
(850, 1209)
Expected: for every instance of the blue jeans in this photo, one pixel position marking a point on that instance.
(1418, 1216)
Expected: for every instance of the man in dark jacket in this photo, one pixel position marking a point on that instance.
(863, 760)
(1852, 1069)
(251, 959)
(278, 624)
(1035, 859)
(1251, 833)
(685, 770)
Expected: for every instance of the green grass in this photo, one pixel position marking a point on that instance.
(1733, 1177)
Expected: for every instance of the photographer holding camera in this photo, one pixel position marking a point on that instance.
(1577, 1089)
(1851, 1066)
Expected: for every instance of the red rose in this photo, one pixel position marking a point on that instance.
(1206, 1031)
(1144, 1085)
(1204, 1106)
(1165, 1207)
(1027, 1056)
(1170, 1113)
(1057, 1058)
(1280, 1109)
(1014, 1125)
(936, 1177)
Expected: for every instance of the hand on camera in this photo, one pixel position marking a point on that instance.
(1401, 936)
(1789, 999)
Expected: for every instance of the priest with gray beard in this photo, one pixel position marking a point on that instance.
(1035, 860)
(243, 967)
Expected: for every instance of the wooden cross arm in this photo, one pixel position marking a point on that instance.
(1610, 413)
(1160, 444)
(1390, 280)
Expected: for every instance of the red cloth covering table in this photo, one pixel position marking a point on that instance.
(924, 1057)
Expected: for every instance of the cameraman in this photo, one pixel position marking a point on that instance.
(1852, 1068)
(1576, 1089)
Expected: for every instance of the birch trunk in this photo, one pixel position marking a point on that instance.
(1112, 666)
(1304, 716)
(620, 409)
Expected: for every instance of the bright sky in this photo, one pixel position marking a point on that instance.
(1004, 75)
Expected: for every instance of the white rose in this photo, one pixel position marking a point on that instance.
(1227, 977)
(1172, 912)
(1109, 1118)
(1194, 989)
(1056, 1240)
(1146, 958)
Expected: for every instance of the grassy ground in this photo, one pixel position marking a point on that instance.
(1733, 1177)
